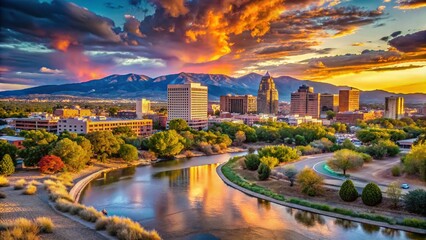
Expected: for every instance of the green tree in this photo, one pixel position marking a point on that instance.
(300, 140)
(178, 124)
(38, 143)
(282, 153)
(252, 162)
(271, 162)
(112, 111)
(415, 201)
(394, 193)
(348, 192)
(7, 148)
(344, 160)
(347, 144)
(166, 144)
(70, 153)
(124, 131)
(263, 172)
(6, 165)
(8, 131)
(128, 152)
(104, 144)
(290, 172)
(415, 161)
(371, 195)
(310, 182)
(330, 114)
(240, 137)
(340, 127)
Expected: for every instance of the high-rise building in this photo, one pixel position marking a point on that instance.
(143, 107)
(394, 107)
(348, 100)
(188, 102)
(305, 102)
(329, 102)
(238, 104)
(267, 96)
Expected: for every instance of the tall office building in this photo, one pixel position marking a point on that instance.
(267, 96)
(348, 100)
(329, 102)
(238, 104)
(394, 107)
(305, 102)
(143, 107)
(188, 102)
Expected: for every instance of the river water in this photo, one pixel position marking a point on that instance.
(186, 199)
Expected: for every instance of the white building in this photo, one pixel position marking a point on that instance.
(188, 102)
(296, 120)
(143, 107)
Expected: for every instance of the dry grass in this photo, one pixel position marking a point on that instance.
(35, 183)
(101, 223)
(20, 184)
(57, 191)
(90, 214)
(45, 224)
(4, 182)
(125, 229)
(63, 205)
(30, 190)
(66, 179)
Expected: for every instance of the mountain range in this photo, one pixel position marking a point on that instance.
(141, 86)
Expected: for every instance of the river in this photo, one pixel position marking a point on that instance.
(186, 199)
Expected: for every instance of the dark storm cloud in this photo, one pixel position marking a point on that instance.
(415, 42)
(385, 39)
(395, 34)
(410, 4)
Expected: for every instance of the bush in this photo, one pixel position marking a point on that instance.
(282, 153)
(348, 192)
(50, 164)
(90, 214)
(30, 190)
(415, 161)
(308, 150)
(414, 222)
(310, 182)
(19, 184)
(371, 195)
(2, 195)
(128, 152)
(6, 165)
(290, 172)
(396, 171)
(415, 201)
(366, 157)
(263, 172)
(45, 224)
(252, 162)
(3, 181)
(271, 162)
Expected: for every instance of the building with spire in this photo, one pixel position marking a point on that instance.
(267, 96)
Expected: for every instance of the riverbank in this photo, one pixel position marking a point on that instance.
(266, 194)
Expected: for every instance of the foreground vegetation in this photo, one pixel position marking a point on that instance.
(23, 228)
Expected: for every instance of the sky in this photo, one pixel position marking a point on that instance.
(367, 44)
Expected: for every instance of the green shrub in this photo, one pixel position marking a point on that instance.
(348, 192)
(263, 172)
(371, 195)
(252, 162)
(6, 165)
(415, 201)
(310, 182)
(396, 171)
(414, 222)
(366, 157)
(271, 162)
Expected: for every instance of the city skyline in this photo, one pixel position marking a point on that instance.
(364, 44)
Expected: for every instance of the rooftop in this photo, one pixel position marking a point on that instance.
(11, 138)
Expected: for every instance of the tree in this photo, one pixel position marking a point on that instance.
(7, 148)
(240, 137)
(124, 131)
(104, 144)
(344, 160)
(348, 192)
(371, 195)
(178, 124)
(8, 131)
(394, 193)
(300, 140)
(166, 144)
(6, 165)
(340, 127)
(347, 144)
(415, 161)
(38, 143)
(252, 162)
(415, 201)
(128, 152)
(271, 162)
(310, 182)
(282, 153)
(263, 172)
(112, 111)
(324, 144)
(290, 172)
(71, 153)
(51, 164)
(330, 114)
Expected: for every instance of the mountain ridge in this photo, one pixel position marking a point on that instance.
(137, 86)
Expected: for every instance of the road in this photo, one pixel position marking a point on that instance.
(368, 173)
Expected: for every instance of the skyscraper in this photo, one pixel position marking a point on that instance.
(267, 96)
(143, 107)
(329, 102)
(305, 102)
(348, 100)
(238, 104)
(394, 107)
(188, 102)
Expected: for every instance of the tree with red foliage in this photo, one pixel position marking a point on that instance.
(50, 164)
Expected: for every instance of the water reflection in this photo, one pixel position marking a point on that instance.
(192, 202)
